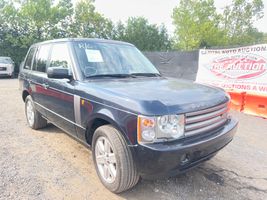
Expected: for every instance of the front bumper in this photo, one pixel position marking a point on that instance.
(8, 71)
(172, 158)
(5, 75)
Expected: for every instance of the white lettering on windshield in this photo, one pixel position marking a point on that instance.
(84, 46)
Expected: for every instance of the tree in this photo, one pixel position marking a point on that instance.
(12, 40)
(65, 14)
(25, 22)
(30, 21)
(196, 24)
(238, 19)
(89, 23)
(147, 37)
(265, 38)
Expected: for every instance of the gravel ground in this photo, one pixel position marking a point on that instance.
(48, 164)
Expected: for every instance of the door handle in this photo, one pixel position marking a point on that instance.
(45, 85)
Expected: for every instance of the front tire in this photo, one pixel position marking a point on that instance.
(34, 118)
(113, 160)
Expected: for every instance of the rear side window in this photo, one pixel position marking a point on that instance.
(28, 61)
(41, 58)
(60, 56)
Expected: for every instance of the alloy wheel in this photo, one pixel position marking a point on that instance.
(105, 159)
(30, 113)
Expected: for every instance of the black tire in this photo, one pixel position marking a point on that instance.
(127, 175)
(38, 121)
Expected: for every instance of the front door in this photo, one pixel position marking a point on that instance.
(59, 97)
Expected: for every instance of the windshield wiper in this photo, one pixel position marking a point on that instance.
(146, 74)
(110, 76)
(132, 75)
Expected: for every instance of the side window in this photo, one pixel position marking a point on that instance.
(28, 61)
(41, 58)
(60, 56)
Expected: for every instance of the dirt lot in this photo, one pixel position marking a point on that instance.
(48, 164)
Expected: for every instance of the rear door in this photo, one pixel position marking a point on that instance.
(59, 97)
(38, 73)
(24, 75)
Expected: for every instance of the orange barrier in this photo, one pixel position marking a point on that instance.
(249, 103)
(255, 105)
(237, 100)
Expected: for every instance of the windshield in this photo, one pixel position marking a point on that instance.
(5, 60)
(100, 58)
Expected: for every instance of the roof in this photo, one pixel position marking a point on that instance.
(84, 39)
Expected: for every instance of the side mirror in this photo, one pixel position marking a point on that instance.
(58, 73)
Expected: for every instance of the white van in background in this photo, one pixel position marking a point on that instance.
(7, 66)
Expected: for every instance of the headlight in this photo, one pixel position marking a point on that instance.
(156, 129)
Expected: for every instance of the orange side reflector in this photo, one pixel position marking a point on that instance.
(139, 137)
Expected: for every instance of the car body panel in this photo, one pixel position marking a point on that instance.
(154, 96)
(198, 148)
(75, 104)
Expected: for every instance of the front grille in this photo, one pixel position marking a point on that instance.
(2, 68)
(205, 120)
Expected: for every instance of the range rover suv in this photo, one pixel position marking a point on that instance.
(138, 123)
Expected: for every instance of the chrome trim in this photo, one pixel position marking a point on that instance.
(205, 120)
(60, 115)
(77, 109)
(202, 123)
(207, 128)
(206, 110)
(207, 116)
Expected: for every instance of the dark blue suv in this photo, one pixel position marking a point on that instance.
(110, 97)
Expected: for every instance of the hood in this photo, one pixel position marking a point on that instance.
(154, 96)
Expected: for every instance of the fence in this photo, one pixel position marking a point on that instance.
(175, 64)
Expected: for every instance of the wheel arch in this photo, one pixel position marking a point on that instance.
(98, 120)
(25, 93)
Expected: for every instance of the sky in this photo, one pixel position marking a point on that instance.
(156, 11)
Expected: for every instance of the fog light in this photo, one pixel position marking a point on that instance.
(185, 158)
(148, 135)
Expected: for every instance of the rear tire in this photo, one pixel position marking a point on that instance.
(34, 118)
(116, 156)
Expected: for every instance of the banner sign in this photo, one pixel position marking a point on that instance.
(241, 69)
